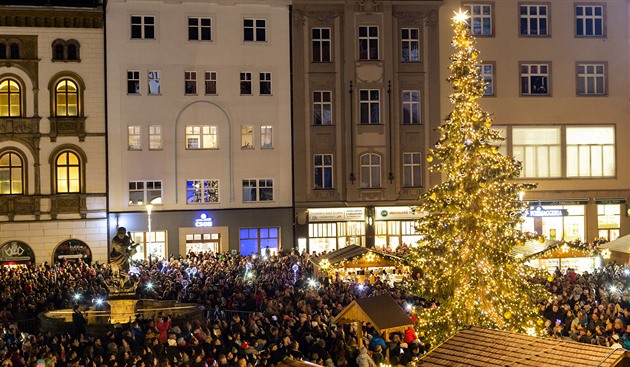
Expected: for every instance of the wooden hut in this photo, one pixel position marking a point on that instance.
(355, 258)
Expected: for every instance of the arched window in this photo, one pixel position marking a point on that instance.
(15, 51)
(66, 99)
(73, 52)
(10, 98)
(58, 51)
(3, 51)
(11, 174)
(68, 170)
(370, 170)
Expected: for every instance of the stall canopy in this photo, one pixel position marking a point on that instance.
(477, 346)
(564, 250)
(361, 254)
(533, 247)
(621, 244)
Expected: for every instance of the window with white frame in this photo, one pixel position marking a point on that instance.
(410, 44)
(535, 79)
(590, 151)
(320, 43)
(266, 137)
(411, 107)
(265, 84)
(481, 19)
(257, 189)
(246, 84)
(412, 169)
(259, 241)
(211, 82)
(190, 82)
(133, 82)
(145, 192)
(368, 42)
(322, 107)
(153, 78)
(591, 79)
(539, 149)
(589, 20)
(134, 138)
(202, 191)
(534, 19)
(370, 170)
(247, 137)
(142, 27)
(254, 30)
(199, 29)
(486, 74)
(12, 169)
(323, 171)
(201, 137)
(370, 106)
(149, 245)
(155, 137)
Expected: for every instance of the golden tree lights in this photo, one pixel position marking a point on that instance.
(472, 218)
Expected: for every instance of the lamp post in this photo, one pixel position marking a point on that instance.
(149, 209)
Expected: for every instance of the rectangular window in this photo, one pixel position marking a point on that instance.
(411, 107)
(370, 170)
(368, 42)
(201, 137)
(589, 21)
(263, 241)
(410, 39)
(322, 107)
(486, 74)
(535, 79)
(246, 84)
(153, 77)
(199, 29)
(155, 137)
(591, 79)
(321, 41)
(265, 84)
(254, 30)
(266, 137)
(539, 150)
(211, 82)
(534, 20)
(257, 190)
(133, 82)
(608, 221)
(481, 19)
(134, 140)
(591, 151)
(323, 171)
(145, 192)
(190, 82)
(369, 106)
(202, 191)
(142, 27)
(151, 245)
(247, 136)
(412, 169)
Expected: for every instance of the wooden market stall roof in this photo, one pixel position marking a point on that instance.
(382, 312)
(482, 347)
(621, 244)
(353, 251)
(533, 247)
(563, 250)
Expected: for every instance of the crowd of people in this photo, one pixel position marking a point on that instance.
(259, 312)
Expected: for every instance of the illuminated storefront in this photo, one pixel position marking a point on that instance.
(395, 226)
(557, 220)
(333, 228)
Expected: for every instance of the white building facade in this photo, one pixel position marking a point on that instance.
(199, 125)
(52, 133)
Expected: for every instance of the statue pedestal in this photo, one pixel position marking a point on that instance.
(122, 310)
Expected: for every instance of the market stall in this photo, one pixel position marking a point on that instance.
(576, 255)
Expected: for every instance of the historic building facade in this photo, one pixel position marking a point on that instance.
(52, 132)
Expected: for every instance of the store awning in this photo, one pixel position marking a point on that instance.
(477, 346)
(621, 244)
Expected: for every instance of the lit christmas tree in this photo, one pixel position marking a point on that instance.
(471, 220)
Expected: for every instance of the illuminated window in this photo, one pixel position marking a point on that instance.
(134, 141)
(145, 192)
(67, 99)
(247, 136)
(155, 137)
(68, 169)
(201, 137)
(11, 174)
(591, 151)
(266, 137)
(10, 98)
(539, 150)
(202, 191)
(153, 77)
(258, 240)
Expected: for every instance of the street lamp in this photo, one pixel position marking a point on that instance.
(149, 209)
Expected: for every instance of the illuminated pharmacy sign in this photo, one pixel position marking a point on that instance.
(539, 211)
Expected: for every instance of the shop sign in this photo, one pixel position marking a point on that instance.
(396, 212)
(336, 214)
(540, 212)
(16, 251)
(73, 250)
(558, 202)
(611, 201)
(203, 221)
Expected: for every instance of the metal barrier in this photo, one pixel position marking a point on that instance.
(227, 315)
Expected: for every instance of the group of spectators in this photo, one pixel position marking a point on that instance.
(259, 312)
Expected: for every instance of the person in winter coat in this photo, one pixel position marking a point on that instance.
(364, 359)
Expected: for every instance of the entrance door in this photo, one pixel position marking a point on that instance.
(203, 242)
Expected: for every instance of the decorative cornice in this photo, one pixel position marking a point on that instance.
(430, 17)
(369, 6)
(51, 18)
